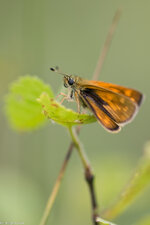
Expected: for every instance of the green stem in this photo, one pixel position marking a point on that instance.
(139, 180)
(107, 44)
(79, 147)
(56, 187)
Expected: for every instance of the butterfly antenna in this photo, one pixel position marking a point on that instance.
(57, 70)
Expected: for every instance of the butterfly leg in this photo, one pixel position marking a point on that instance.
(68, 97)
(61, 94)
(64, 97)
(77, 101)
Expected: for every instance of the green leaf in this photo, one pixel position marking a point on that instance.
(58, 113)
(22, 109)
(137, 183)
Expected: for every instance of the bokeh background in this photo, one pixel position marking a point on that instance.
(36, 35)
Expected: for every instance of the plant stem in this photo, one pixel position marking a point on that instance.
(53, 195)
(138, 181)
(79, 147)
(56, 186)
(89, 177)
(107, 44)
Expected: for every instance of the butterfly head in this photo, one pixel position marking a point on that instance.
(69, 80)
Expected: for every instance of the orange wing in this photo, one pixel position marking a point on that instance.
(103, 117)
(134, 95)
(111, 109)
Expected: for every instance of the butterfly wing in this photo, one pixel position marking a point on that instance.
(111, 109)
(101, 114)
(133, 94)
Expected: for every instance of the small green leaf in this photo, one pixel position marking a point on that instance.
(22, 109)
(139, 181)
(58, 113)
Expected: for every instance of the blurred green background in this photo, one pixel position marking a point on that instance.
(36, 35)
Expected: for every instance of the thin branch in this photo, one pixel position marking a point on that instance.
(55, 190)
(79, 147)
(88, 173)
(90, 181)
(56, 187)
(107, 44)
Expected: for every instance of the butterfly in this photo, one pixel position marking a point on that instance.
(113, 105)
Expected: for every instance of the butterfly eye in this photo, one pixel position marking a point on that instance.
(70, 81)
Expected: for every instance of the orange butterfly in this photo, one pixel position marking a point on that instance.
(112, 105)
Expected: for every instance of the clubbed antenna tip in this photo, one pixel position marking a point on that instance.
(56, 69)
(52, 69)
